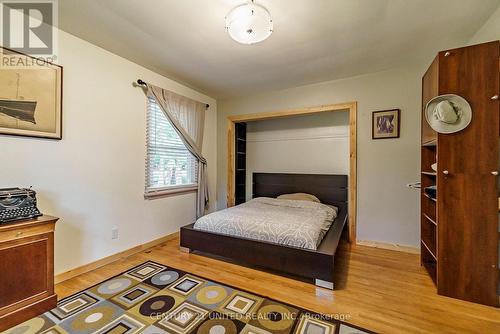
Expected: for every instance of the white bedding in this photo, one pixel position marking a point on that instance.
(286, 222)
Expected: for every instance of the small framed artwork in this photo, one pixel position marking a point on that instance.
(386, 124)
(30, 96)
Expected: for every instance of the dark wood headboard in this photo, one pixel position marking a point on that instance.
(329, 189)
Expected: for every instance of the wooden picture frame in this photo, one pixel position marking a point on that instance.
(30, 96)
(386, 124)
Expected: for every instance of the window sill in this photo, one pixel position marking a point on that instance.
(170, 192)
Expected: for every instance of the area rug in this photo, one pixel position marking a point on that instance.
(155, 299)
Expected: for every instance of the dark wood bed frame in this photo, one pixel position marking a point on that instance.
(314, 264)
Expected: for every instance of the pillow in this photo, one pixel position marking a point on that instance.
(300, 197)
(334, 209)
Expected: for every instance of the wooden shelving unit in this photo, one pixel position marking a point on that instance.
(428, 225)
(459, 228)
(240, 162)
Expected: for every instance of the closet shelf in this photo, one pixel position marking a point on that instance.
(429, 250)
(429, 219)
(431, 268)
(430, 143)
(432, 199)
(240, 162)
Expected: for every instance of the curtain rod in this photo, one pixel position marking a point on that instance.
(140, 82)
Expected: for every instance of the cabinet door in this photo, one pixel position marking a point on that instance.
(467, 184)
(26, 271)
(473, 73)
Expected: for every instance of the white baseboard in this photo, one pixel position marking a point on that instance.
(384, 245)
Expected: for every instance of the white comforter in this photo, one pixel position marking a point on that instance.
(286, 222)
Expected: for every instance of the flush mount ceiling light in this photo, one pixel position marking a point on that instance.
(249, 23)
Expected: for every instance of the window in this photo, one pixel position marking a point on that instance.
(170, 167)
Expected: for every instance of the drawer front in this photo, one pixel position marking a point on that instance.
(29, 231)
(27, 270)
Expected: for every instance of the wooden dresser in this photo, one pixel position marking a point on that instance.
(26, 270)
(459, 228)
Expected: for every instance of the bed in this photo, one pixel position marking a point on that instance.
(288, 255)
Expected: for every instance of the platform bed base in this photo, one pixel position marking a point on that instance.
(316, 265)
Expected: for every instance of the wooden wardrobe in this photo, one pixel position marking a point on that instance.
(460, 228)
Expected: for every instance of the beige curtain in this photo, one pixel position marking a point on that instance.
(188, 118)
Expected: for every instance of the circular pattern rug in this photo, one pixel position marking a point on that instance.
(165, 277)
(217, 326)
(157, 305)
(114, 286)
(150, 299)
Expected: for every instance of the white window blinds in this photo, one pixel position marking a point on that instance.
(169, 165)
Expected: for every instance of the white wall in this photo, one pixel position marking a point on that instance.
(490, 31)
(94, 178)
(317, 143)
(387, 210)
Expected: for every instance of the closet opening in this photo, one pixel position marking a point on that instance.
(239, 175)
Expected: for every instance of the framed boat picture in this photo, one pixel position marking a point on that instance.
(386, 124)
(30, 96)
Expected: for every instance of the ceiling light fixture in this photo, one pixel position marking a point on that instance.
(249, 23)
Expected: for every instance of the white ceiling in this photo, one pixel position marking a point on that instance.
(313, 40)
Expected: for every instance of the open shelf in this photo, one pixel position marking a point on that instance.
(428, 234)
(430, 143)
(429, 219)
(432, 199)
(429, 262)
(428, 208)
(240, 162)
(429, 250)
(431, 267)
(428, 225)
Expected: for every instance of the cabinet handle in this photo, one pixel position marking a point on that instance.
(494, 97)
(447, 53)
(18, 234)
(445, 172)
(494, 173)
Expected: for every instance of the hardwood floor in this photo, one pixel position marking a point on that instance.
(382, 290)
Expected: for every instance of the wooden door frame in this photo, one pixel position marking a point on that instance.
(351, 107)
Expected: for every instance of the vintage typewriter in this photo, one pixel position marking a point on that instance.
(17, 203)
